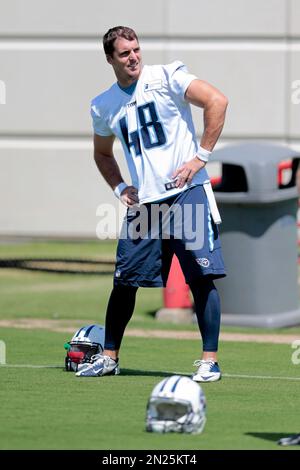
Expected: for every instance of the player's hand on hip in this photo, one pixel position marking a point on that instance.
(129, 196)
(186, 172)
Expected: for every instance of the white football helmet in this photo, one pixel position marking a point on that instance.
(86, 342)
(176, 404)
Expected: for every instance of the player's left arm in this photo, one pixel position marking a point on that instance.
(214, 104)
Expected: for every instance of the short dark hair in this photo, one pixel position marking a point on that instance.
(114, 33)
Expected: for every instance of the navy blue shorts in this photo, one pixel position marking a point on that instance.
(153, 232)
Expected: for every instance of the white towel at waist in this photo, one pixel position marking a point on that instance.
(212, 203)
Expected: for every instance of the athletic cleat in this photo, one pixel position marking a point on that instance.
(99, 365)
(208, 371)
(84, 365)
(290, 441)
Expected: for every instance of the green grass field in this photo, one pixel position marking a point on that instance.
(44, 407)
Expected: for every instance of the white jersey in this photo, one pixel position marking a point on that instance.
(155, 127)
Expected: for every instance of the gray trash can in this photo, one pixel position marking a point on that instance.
(258, 235)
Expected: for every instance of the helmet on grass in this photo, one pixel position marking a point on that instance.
(86, 342)
(176, 404)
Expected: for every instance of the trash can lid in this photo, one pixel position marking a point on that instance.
(258, 163)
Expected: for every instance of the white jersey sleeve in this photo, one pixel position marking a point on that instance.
(178, 77)
(99, 125)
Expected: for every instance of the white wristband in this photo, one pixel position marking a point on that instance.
(203, 154)
(119, 189)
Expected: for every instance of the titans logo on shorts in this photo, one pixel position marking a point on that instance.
(153, 232)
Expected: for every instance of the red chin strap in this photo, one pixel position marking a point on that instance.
(76, 356)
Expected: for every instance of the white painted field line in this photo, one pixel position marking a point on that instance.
(263, 377)
(230, 376)
(32, 366)
(238, 376)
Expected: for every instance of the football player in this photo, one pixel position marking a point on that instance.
(148, 110)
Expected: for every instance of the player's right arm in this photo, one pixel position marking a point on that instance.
(109, 169)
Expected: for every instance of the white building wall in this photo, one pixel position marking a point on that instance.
(52, 64)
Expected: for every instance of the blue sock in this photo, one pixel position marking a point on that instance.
(208, 311)
(119, 311)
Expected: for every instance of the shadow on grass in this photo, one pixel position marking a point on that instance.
(149, 373)
(270, 436)
(135, 372)
(151, 313)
